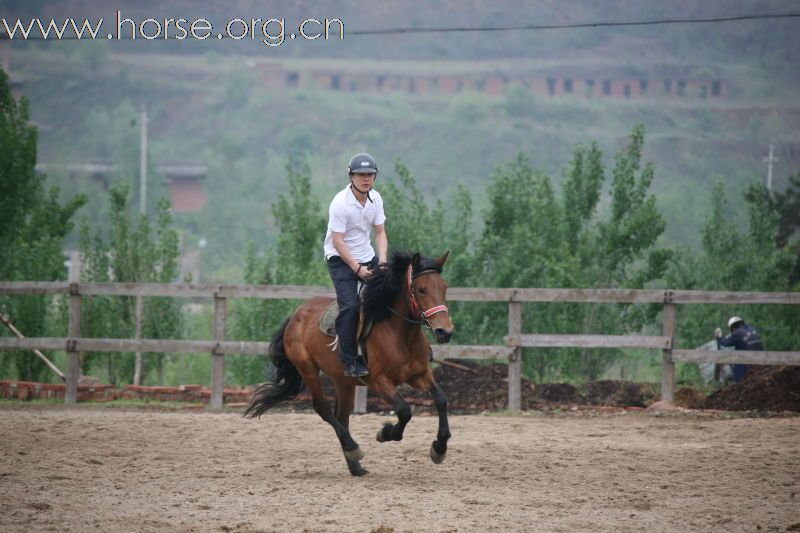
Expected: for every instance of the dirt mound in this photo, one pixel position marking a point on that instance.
(619, 393)
(688, 396)
(481, 387)
(764, 388)
(485, 387)
(559, 393)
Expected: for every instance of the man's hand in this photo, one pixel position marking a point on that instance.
(363, 273)
(718, 333)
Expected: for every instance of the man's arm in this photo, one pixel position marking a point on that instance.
(727, 340)
(343, 251)
(381, 242)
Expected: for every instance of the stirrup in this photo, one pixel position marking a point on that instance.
(356, 369)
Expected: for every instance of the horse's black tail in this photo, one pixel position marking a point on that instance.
(287, 382)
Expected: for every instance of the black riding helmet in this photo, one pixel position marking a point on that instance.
(362, 164)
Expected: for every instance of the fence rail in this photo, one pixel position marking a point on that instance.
(736, 356)
(511, 351)
(463, 294)
(132, 345)
(589, 341)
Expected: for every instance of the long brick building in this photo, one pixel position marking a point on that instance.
(583, 83)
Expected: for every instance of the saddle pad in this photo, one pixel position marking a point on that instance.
(327, 322)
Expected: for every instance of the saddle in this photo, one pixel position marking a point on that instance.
(327, 325)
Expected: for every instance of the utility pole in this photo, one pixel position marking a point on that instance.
(769, 160)
(143, 160)
(137, 372)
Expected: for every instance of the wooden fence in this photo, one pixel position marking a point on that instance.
(510, 351)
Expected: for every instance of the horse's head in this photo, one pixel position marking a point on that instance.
(428, 296)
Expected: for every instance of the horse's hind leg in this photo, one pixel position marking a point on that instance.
(344, 405)
(323, 409)
(391, 431)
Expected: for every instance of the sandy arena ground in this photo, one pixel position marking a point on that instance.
(89, 469)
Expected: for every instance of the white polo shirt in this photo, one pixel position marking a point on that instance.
(347, 215)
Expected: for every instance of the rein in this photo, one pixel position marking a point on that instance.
(419, 317)
(409, 320)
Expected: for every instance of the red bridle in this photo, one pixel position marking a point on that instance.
(412, 300)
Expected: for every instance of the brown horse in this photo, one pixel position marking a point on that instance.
(399, 298)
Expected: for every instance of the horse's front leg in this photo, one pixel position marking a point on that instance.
(426, 383)
(439, 446)
(390, 431)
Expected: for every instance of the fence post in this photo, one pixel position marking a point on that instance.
(515, 361)
(361, 400)
(218, 359)
(667, 366)
(73, 331)
(137, 366)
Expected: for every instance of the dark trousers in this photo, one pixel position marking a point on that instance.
(345, 282)
(739, 372)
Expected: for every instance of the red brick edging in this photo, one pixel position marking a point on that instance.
(29, 390)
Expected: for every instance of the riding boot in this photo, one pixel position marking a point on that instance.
(354, 366)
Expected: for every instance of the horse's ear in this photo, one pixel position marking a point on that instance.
(415, 262)
(441, 261)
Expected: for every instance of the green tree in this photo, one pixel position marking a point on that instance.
(736, 260)
(301, 225)
(33, 224)
(411, 223)
(786, 205)
(621, 250)
(226, 229)
(163, 318)
(535, 237)
(295, 259)
(253, 320)
(131, 254)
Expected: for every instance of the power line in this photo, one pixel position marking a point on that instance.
(575, 24)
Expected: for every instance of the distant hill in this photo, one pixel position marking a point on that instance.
(214, 102)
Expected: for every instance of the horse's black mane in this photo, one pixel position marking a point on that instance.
(385, 284)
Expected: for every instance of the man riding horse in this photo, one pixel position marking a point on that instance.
(406, 294)
(350, 257)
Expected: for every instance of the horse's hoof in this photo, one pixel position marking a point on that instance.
(354, 455)
(435, 457)
(380, 437)
(357, 471)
